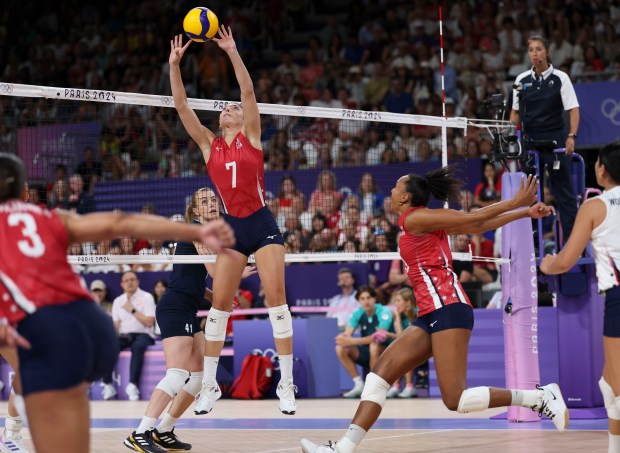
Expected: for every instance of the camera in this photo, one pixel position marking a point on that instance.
(506, 145)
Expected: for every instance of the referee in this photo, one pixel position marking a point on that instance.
(540, 97)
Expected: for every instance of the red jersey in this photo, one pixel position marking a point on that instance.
(428, 261)
(34, 271)
(237, 171)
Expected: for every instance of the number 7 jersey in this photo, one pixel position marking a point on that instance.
(237, 173)
(34, 271)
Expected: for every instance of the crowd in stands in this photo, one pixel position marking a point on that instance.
(370, 55)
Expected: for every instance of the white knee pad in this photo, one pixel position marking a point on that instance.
(173, 381)
(611, 401)
(375, 389)
(474, 400)
(194, 384)
(215, 330)
(281, 321)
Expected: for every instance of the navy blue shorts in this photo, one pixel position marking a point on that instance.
(176, 316)
(363, 359)
(452, 316)
(611, 322)
(71, 344)
(255, 231)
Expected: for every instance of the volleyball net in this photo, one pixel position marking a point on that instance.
(328, 171)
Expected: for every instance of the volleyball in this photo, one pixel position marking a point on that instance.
(200, 24)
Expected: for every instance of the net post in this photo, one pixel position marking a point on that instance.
(520, 304)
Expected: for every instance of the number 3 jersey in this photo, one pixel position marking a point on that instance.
(34, 271)
(238, 175)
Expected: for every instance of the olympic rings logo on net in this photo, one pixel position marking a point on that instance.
(6, 87)
(610, 108)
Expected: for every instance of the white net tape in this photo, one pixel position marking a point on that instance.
(116, 97)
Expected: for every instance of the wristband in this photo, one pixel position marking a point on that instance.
(133, 310)
(573, 136)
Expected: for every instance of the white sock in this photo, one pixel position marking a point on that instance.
(147, 424)
(286, 367)
(12, 426)
(525, 398)
(167, 424)
(349, 442)
(210, 365)
(358, 382)
(614, 443)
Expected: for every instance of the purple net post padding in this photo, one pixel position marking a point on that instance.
(580, 334)
(519, 287)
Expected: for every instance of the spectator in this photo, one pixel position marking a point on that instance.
(133, 313)
(405, 313)
(369, 317)
(488, 191)
(289, 194)
(99, 291)
(80, 201)
(370, 195)
(60, 174)
(156, 248)
(59, 197)
(90, 170)
(288, 66)
(159, 289)
(344, 302)
(464, 270)
(326, 185)
(397, 100)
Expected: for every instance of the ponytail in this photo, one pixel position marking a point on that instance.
(441, 183)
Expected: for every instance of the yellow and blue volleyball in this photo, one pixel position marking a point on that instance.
(200, 24)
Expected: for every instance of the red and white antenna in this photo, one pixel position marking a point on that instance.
(443, 87)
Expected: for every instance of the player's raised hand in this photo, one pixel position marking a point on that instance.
(540, 210)
(526, 195)
(225, 40)
(248, 270)
(177, 49)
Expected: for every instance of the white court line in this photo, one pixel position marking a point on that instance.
(369, 440)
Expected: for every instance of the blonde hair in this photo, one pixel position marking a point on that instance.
(407, 294)
(190, 216)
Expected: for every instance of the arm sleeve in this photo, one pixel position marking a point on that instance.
(354, 320)
(149, 305)
(569, 97)
(115, 310)
(386, 319)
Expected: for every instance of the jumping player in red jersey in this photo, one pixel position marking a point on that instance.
(235, 164)
(443, 327)
(72, 341)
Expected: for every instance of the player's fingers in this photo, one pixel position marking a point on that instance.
(22, 342)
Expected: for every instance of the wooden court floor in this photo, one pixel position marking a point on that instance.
(406, 426)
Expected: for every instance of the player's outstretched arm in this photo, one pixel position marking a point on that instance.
(108, 225)
(251, 116)
(455, 222)
(591, 214)
(200, 134)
